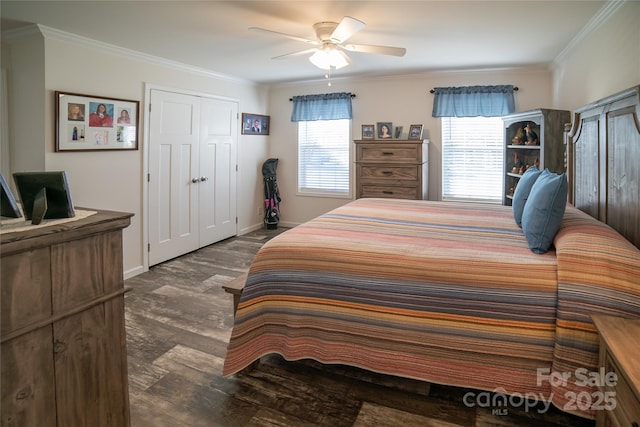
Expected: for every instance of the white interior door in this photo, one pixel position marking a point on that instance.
(174, 126)
(218, 154)
(192, 173)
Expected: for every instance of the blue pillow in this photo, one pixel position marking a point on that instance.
(544, 210)
(521, 193)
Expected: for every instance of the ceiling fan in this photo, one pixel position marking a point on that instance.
(330, 44)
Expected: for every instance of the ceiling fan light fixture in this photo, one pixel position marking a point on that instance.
(330, 41)
(320, 59)
(325, 59)
(338, 59)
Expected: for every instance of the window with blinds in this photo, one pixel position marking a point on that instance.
(472, 159)
(323, 157)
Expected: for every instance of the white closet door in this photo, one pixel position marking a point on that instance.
(218, 154)
(192, 173)
(174, 127)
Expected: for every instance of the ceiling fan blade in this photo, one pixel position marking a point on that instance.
(382, 50)
(289, 36)
(293, 54)
(347, 27)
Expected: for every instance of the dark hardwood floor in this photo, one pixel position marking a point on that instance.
(178, 322)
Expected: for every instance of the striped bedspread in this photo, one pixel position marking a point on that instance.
(437, 291)
(598, 273)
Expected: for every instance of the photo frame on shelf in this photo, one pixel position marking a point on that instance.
(368, 132)
(384, 130)
(255, 124)
(415, 132)
(8, 204)
(90, 123)
(397, 132)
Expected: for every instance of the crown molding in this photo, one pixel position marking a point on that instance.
(602, 16)
(17, 34)
(11, 36)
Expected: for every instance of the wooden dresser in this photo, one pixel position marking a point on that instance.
(619, 350)
(395, 169)
(64, 358)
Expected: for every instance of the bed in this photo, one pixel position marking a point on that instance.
(443, 292)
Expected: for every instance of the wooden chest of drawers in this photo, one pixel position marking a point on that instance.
(392, 169)
(63, 351)
(619, 349)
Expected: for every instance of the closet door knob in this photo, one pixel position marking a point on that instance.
(195, 180)
(204, 178)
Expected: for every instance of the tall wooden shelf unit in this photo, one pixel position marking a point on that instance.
(549, 152)
(64, 358)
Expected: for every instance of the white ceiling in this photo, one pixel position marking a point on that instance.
(214, 35)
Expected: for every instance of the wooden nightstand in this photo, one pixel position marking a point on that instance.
(620, 353)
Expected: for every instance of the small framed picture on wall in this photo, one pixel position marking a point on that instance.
(255, 124)
(92, 123)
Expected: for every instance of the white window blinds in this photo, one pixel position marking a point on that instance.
(323, 157)
(472, 159)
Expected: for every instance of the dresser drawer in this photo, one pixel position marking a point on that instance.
(627, 409)
(619, 349)
(26, 289)
(629, 403)
(388, 153)
(390, 191)
(401, 173)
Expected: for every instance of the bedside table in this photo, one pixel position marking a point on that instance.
(620, 353)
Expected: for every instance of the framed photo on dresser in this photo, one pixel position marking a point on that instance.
(8, 204)
(397, 132)
(368, 132)
(415, 132)
(384, 130)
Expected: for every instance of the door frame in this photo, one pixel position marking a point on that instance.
(148, 87)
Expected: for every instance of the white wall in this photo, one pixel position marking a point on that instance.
(604, 62)
(402, 100)
(26, 101)
(113, 180)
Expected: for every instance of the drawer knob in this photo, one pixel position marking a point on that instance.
(387, 173)
(387, 153)
(387, 192)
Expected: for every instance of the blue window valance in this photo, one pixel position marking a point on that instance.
(326, 106)
(473, 101)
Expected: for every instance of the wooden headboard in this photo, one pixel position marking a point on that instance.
(603, 160)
